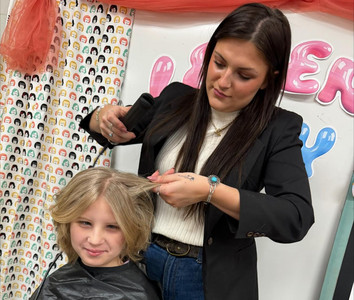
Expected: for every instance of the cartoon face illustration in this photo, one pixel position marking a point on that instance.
(67, 73)
(62, 152)
(65, 163)
(120, 62)
(66, 103)
(52, 150)
(110, 91)
(123, 41)
(73, 65)
(76, 77)
(79, 58)
(72, 96)
(55, 131)
(70, 53)
(82, 70)
(110, 29)
(79, 88)
(55, 102)
(84, 7)
(80, 27)
(117, 82)
(120, 30)
(59, 112)
(116, 19)
(127, 21)
(94, 51)
(66, 133)
(66, 14)
(73, 34)
(123, 10)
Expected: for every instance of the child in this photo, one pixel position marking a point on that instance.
(103, 219)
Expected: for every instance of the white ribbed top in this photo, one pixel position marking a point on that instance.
(170, 221)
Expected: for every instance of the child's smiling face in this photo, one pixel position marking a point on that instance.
(96, 236)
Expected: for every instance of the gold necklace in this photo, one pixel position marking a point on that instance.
(219, 130)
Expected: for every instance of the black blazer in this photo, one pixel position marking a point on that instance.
(283, 213)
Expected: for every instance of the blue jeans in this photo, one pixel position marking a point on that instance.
(180, 278)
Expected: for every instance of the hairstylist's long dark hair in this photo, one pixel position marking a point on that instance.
(269, 30)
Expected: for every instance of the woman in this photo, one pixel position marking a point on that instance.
(215, 149)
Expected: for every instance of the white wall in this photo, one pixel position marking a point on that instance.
(293, 271)
(4, 5)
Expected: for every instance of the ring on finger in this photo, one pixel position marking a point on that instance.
(111, 134)
(158, 191)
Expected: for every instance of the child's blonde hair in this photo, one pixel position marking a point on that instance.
(128, 195)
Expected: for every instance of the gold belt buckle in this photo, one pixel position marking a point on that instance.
(176, 254)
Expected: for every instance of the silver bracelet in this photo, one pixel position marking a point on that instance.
(213, 181)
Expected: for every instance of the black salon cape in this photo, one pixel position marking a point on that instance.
(72, 281)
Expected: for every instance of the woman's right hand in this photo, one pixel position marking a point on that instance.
(107, 123)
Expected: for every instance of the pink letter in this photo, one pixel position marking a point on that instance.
(161, 75)
(300, 65)
(339, 79)
(196, 58)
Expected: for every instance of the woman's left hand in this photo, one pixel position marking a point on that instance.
(181, 189)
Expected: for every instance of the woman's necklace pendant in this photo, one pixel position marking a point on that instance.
(218, 131)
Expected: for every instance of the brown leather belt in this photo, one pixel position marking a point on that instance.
(176, 248)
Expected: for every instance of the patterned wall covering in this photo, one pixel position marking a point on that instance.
(42, 146)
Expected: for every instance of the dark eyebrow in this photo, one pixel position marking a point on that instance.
(218, 54)
(241, 69)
